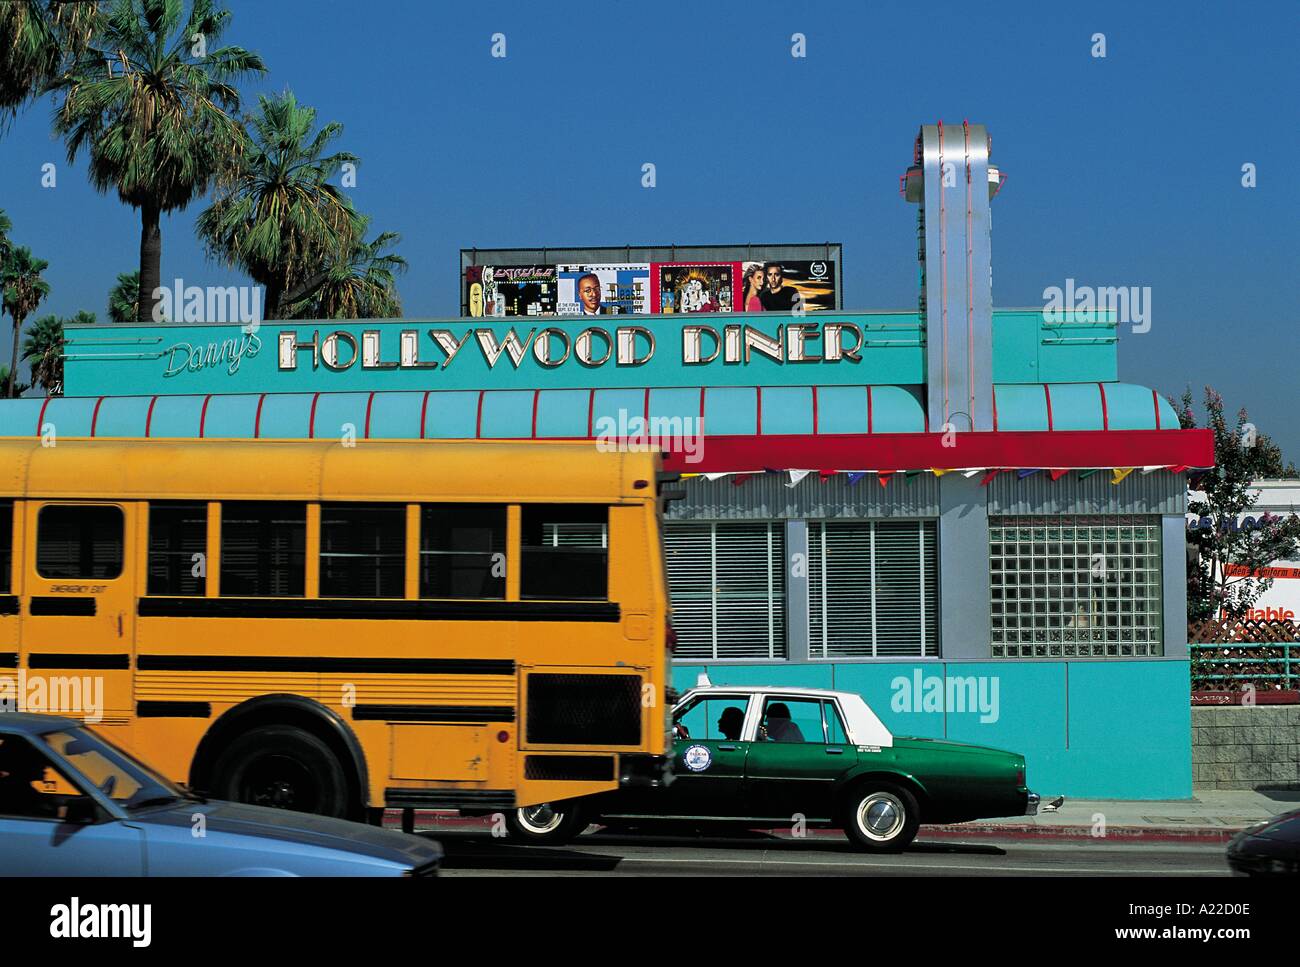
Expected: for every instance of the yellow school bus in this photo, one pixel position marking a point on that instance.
(473, 625)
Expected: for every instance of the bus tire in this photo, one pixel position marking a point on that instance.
(284, 767)
(546, 824)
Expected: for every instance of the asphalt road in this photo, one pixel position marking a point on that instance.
(608, 854)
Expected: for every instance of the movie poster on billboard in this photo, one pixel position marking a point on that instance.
(515, 290)
(694, 286)
(779, 286)
(606, 289)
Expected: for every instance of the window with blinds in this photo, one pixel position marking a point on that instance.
(565, 551)
(79, 542)
(362, 550)
(873, 589)
(727, 585)
(263, 548)
(1075, 586)
(178, 540)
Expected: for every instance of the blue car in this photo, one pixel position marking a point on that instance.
(73, 804)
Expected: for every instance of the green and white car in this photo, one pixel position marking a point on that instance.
(775, 757)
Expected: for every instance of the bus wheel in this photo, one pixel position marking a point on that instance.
(284, 767)
(547, 824)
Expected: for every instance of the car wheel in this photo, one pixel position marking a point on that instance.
(283, 767)
(549, 824)
(881, 817)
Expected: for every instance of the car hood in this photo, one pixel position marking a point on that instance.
(306, 829)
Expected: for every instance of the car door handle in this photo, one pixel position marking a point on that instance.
(834, 751)
(728, 748)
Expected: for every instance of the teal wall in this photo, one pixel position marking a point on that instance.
(1087, 729)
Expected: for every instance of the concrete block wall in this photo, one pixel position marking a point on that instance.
(1246, 747)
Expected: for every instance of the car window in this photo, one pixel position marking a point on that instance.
(714, 717)
(792, 720)
(118, 776)
(30, 786)
(835, 732)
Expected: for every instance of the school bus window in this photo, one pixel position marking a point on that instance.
(177, 532)
(565, 551)
(79, 541)
(462, 551)
(263, 549)
(6, 545)
(362, 550)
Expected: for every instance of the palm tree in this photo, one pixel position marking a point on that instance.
(6, 226)
(361, 286)
(156, 118)
(20, 277)
(43, 348)
(275, 216)
(124, 298)
(19, 390)
(37, 40)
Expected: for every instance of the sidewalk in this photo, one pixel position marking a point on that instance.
(1210, 816)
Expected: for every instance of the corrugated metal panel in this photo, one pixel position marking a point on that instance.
(766, 497)
(1154, 493)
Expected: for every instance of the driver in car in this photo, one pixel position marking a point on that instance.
(730, 722)
(20, 767)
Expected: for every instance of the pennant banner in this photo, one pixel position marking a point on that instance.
(1119, 473)
(796, 476)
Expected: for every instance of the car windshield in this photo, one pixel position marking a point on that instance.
(119, 776)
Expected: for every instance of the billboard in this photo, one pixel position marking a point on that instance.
(603, 289)
(779, 285)
(693, 286)
(514, 290)
(643, 280)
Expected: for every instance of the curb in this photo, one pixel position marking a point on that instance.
(959, 831)
(1144, 834)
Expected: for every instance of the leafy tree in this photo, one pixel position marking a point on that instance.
(275, 214)
(20, 278)
(6, 226)
(1225, 558)
(37, 40)
(154, 108)
(362, 286)
(124, 298)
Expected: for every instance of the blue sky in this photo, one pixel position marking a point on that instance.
(1125, 170)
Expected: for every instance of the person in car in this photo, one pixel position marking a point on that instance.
(20, 766)
(730, 722)
(780, 728)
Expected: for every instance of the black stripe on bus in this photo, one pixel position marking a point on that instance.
(380, 609)
(8, 604)
(174, 710)
(62, 660)
(55, 605)
(434, 713)
(350, 666)
(399, 797)
(8, 659)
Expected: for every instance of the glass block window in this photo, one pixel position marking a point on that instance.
(1075, 586)
(727, 585)
(873, 589)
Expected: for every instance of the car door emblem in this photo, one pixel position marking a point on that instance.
(697, 758)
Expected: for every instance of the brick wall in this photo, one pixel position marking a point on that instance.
(1238, 747)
